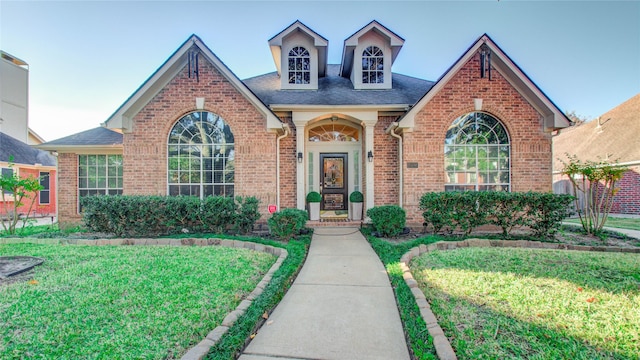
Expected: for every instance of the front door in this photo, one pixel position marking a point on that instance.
(333, 183)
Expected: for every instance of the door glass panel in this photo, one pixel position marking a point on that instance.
(334, 173)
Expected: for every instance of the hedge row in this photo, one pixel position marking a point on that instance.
(540, 212)
(163, 215)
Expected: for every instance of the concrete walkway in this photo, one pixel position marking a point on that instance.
(341, 306)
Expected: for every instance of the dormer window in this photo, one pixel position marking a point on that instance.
(372, 65)
(299, 66)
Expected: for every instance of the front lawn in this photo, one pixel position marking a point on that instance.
(150, 302)
(500, 303)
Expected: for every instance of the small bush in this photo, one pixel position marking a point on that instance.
(314, 197)
(388, 220)
(247, 213)
(356, 197)
(286, 223)
(218, 212)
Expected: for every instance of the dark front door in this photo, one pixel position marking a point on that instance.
(333, 184)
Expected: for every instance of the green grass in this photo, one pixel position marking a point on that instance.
(45, 231)
(122, 302)
(615, 222)
(496, 303)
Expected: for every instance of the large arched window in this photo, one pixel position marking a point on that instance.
(201, 156)
(299, 66)
(372, 65)
(476, 154)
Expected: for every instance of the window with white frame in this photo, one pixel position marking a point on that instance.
(477, 154)
(99, 175)
(201, 156)
(372, 65)
(299, 66)
(45, 192)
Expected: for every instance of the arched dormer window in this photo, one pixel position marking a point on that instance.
(201, 156)
(477, 154)
(372, 65)
(299, 66)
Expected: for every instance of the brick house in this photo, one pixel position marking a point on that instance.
(611, 137)
(195, 128)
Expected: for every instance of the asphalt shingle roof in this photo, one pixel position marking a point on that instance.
(17, 152)
(616, 136)
(336, 90)
(96, 136)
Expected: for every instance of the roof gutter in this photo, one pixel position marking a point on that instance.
(391, 130)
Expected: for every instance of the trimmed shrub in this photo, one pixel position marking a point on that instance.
(388, 220)
(545, 212)
(286, 223)
(246, 213)
(540, 212)
(314, 197)
(356, 197)
(161, 215)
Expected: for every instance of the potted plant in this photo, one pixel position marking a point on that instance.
(356, 200)
(313, 199)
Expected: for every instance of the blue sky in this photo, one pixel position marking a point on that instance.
(87, 57)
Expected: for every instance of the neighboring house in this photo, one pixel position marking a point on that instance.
(613, 137)
(194, 128)
(16, 155)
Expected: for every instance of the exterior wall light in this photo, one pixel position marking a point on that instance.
(300, 157)
(370, 156)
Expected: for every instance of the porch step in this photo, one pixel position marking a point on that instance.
(334, 222)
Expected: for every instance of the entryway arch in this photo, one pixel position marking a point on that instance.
(334, 162)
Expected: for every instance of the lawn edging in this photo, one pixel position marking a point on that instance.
(201, 350)
(443, 347)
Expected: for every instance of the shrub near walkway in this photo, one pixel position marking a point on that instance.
(497, 303)
(122, 302)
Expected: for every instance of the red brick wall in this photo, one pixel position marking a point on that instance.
(627, 199)
(288, 159)
(531, 157)
(68, 190)
(145, 148)
(37, 209)
(385, 160)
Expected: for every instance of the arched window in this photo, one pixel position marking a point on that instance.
(333, 132)
(201, 156)
(372, 65)
(477, 154)
(299, 66)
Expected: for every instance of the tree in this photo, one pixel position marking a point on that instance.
(576, 119)
(597, 181)
(14, 190)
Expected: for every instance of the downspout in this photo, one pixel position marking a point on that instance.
(285, 127)
(391, 130)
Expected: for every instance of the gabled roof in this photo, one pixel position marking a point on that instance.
(321, 44)
(614, 136)
(17, 152)
(554, 118)
(351, 42)
(122, 118)
(336, 90)
(96, 139)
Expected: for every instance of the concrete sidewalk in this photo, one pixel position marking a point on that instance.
(341, 306)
